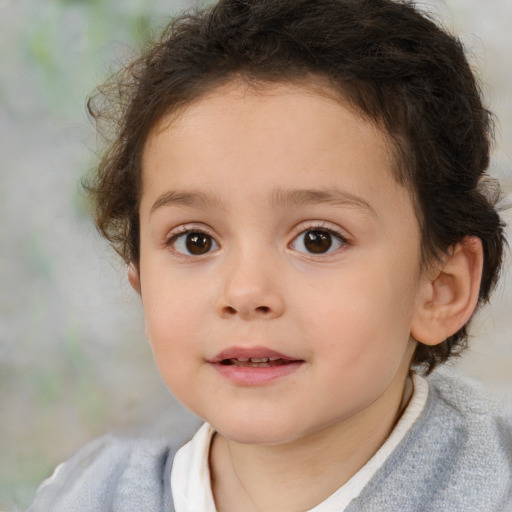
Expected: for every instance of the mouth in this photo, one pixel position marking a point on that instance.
(256, 362)
(254, 366)
(257, 356)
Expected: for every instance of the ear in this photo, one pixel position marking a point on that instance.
(133, 273)
(450, 293)
(134, 276)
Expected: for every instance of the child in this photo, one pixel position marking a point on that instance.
(298, 189)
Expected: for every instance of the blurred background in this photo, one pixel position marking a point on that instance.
(73, 360)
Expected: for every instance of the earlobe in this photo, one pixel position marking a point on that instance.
(450, 295)
(134, 276)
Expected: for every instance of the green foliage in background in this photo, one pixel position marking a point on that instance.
(68, 43)
(53, 54)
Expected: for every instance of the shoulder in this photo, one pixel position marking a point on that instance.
(462, 406)
(471, 435)
(110, 473)
(457, 456)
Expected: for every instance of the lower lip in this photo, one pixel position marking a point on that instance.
(256, 376)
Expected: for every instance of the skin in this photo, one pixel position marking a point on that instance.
(347, 314)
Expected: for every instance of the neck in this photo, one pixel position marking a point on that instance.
(262, 478)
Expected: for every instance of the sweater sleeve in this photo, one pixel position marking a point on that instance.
(110, 474)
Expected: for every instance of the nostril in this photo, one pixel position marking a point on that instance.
(230, 311)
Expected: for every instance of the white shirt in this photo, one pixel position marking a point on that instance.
(190, 474)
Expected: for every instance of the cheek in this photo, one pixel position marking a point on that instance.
(171, 322)
(363, 318)
(173, 312)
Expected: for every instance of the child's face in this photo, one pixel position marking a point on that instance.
(271, 225)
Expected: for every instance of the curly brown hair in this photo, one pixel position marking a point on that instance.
(395, 65)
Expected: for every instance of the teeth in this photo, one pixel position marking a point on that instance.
(255, 362)
(256, 359)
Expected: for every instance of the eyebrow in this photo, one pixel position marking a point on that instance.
(279, 197)
(332, 196)
(191, 199)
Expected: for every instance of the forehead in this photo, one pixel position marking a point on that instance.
(279, 137)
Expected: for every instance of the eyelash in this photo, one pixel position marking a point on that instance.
(320, 227)
(183, 231)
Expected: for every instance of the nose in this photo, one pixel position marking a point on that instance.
(251, 289)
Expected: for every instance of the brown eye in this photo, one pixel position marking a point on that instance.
(198, 243)
(317, 241)
(194, 243)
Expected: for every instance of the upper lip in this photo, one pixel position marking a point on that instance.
(257, 352)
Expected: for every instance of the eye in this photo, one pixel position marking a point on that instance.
(193, 243)
(318, 241)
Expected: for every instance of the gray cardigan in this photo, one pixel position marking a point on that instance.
(457, 457)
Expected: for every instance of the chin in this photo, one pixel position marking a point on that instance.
(257, 438)
(258, 432)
